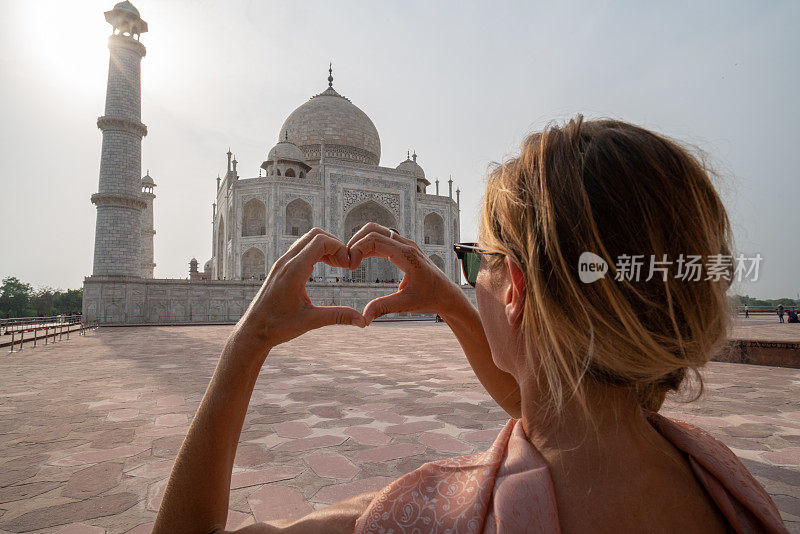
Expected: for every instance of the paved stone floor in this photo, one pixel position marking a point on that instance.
(89, 428)
(765, 328)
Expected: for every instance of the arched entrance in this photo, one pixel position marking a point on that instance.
(298, 217)
(433, 229)
(254, 218)
(252, 264)
(371, 269)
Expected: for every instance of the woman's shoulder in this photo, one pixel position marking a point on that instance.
(721, 472)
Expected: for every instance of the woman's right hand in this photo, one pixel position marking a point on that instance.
(424, 288)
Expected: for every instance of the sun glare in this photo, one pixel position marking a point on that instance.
(67, 41)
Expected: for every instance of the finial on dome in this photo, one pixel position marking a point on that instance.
(408, 154)
(330, 75)
(286, 135)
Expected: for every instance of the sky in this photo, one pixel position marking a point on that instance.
(461, 83)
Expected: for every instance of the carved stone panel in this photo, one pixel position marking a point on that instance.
(354, 197)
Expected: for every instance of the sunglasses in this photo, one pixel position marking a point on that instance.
(470, 256)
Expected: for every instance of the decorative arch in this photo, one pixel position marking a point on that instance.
(254, 218)
(135, 314)
(158, 313)
(371, 269)
(220, 247)
(433, 229)
(299, 217)
(253, 264)
(289, 173)
(113, 314)
(438, 261)
(177, 313)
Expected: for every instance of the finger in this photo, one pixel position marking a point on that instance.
(375, 227)
(301, 243)
(368, 229)
(376, 244)
(395, 303)
(322, 247)
(326, 315)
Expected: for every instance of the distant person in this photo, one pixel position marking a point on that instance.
(746, 311)
(793, 317)
(780, 313)
(582, 371)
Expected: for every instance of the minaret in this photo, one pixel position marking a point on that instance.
(450, 183)
(117, 241)
(148, 263)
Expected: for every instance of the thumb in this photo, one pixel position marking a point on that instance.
(327, 315)
(394, 303)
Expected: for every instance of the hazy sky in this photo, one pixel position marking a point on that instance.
(460, 82)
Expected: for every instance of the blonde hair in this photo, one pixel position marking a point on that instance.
(611, 188)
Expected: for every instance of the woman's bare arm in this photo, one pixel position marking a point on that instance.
(196, 496)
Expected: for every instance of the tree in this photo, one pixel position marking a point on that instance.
(42, 300)
(15, 298)
(69, 302)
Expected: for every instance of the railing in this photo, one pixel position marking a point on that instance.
(37, 329)
(23, 323)
(764, 310)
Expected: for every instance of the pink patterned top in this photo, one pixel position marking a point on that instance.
(508, 489)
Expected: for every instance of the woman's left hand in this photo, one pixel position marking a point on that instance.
(282, 310)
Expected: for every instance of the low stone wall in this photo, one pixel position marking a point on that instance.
(132, 301)
(760, 352)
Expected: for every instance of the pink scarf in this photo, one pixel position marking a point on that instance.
(508, 489)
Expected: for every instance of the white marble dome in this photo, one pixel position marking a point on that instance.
(127, 6)
(287, 151)
(331, 119)
(411, 167)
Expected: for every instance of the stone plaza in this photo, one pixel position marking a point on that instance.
(89, 428)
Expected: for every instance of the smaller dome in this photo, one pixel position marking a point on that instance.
(147, 179)
(127, 6)
(412, 167)
(193, 260)
(207, 266)
(287, 151)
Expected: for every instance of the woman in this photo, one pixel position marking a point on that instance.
(582, 368)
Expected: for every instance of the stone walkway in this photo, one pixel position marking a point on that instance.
(765, 328)
(89, 429)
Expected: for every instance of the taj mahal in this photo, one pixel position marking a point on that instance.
(323, 170)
